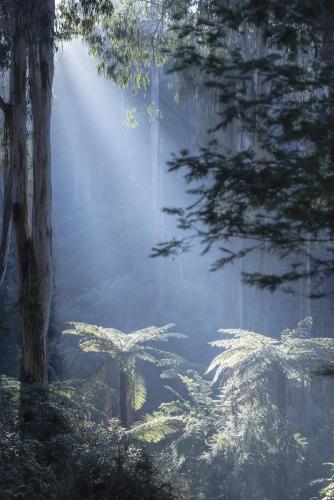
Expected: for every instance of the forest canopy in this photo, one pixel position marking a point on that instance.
(271, 64)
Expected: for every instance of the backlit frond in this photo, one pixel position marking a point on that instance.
(156, 427)
(248, 356)
(138, 390)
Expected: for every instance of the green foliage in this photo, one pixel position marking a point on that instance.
(251, 440)
(153, 114)
(327, 493)
(249, 357)
(80, 17)
(126, 349)
(127, 42)
(50, 449)
(193, 417)
(271, 64)
(138, 391)
(131, 117)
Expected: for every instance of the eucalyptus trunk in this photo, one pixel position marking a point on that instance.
(37, 313)
(18, 152)
(7, 203)
(33, 37)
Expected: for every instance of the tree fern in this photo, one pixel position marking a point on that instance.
(126, 349)
(245, 437)
(327, 492)
(249, 357)
(190, 419)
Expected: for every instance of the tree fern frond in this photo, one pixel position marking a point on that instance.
(138, 390)
(153, 334)
(126, 349)
(197, 387)
(302, 330)
(143, 354)
(156, 427)
(248, 356)
(165, 358)
(97, 331)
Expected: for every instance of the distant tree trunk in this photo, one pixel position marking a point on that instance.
(7, 207)
(259, 90)
(5, 181)
(124, 398)
(326, 23)
(156, 175)
(33, 33)
(282, 476)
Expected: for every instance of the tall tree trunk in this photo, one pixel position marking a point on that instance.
(18, 153)
(155, 164)
(326, 20)
(124, 396)
(7, 208)
(158, 233)
(36, 310)
(33, 30)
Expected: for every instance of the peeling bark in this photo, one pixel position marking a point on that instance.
(37, 300)
(33, 35)
(18, 153)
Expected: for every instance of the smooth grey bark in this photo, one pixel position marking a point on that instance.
(18, 150)
(33, 42)
(155, 130)
(158, 232)
(36, 310)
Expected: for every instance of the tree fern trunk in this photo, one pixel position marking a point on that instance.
(124, 398)
(104, 395)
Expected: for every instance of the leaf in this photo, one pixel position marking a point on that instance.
(138, 391)
(156, 427)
